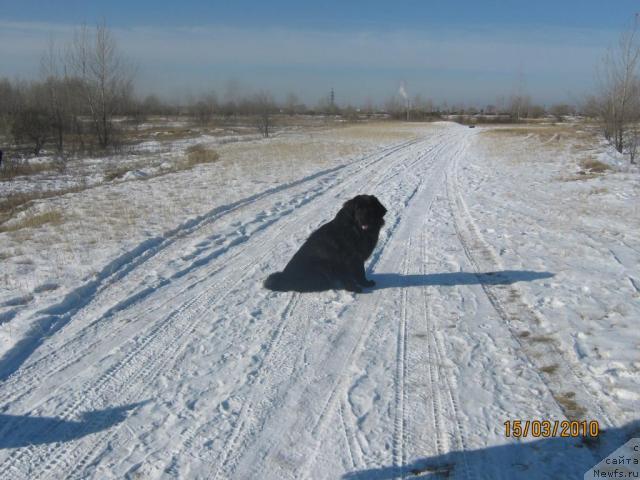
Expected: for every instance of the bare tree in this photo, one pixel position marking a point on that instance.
(264, 106)
(204, 109)
(519, 103)
(561, 110)
(152, 105)
(292, 104)
(107, 79)
(368, 106)
(58, 103)
(617, 103)
(30, 123)
(395, 107)
(7, 100)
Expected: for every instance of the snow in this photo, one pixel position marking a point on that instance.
(138, 342)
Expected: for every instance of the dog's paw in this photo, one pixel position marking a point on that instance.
(369, 283)
(354, 288)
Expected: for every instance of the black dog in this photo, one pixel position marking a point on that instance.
(334, 255)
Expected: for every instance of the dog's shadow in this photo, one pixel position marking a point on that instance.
(18, 431)
(504, 277)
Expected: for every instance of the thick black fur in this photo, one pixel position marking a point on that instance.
(334, 255)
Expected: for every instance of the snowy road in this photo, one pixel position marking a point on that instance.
(174, 362)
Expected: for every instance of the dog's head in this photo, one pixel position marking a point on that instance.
(366, 211)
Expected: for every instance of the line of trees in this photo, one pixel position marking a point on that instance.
(617, 102)
(84, 98)
(81, 91)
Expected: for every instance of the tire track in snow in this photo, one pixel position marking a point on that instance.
(234, 442)
(436, 402)
(78, 347)
(452, 398)
(344, 186)
(379, 174)
(87, 453)
(399, 457)
(356, 453)
(336, 393)
(383, 176)
(437, 380)
(111, 375)
(398, 439)
(565, 383)
(340, 385)
(18, 384)
(54, 317)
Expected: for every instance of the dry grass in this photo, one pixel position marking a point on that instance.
(195, 155)
(545, 132)
(117, 172)
(17, 202)
(590, 168)
(550, 144)
(550, 369)
(318, 145)
(173, 134)
(277, 149)
(541, 339)
(52, 217)
(571, 408)
(598, 191)
(378, 131)
(580, 136)
(198, 154)
(159, 132)
(579, 177)
(592, 165)
(12, 169)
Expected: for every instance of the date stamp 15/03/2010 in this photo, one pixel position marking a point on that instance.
(551, 428)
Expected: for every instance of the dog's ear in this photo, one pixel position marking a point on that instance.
(349, 207)
(378, 206)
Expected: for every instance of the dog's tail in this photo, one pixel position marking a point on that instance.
(277, 282)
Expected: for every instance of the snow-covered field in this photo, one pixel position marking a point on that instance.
(138, 342)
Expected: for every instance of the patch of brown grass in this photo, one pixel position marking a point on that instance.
(117, 172)
(550, 369)
(175, 134)
(197, 154)
(16, 202)
(594, 166)
(384, 131)
(571, 408)
(158, 132)
(544, 133)
(194, 155)
(541, 339)
(582, 175)
(13, 169)
(52, 217)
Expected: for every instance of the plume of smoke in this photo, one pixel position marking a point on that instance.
(402, 91)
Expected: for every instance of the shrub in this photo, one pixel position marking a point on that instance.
(199, 153)
(595, 166)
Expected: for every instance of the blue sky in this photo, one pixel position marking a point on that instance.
(466, 51)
